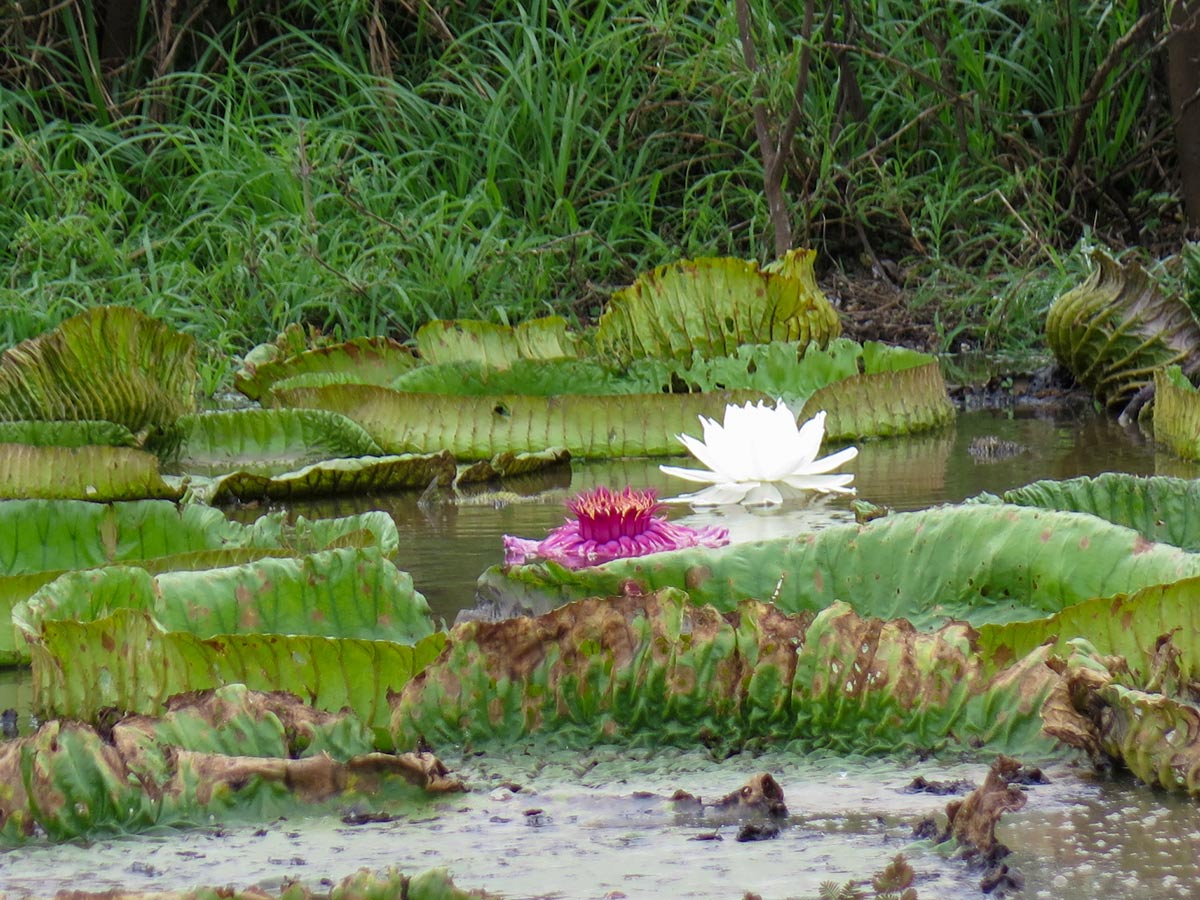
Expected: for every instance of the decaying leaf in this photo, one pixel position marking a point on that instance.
(972, 820)
(658, 669)
(1150, 725)
(68, 779)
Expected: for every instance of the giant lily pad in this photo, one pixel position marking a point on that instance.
(271, 439)
(341, 627)
(85, 473)
(480, 427)
(495, 346)
(369, 361)
(537, 378)
(587, 426)
(883, 402)
(656, 669)
(868, 389)
(80, 433)
(512, 465)
(710, 306)
(283, 454)
(366, 474)
(206, 756)
(976, 563)
(46, 538)
(1176, 412)
(1159, 508)
(111, 363)
(1116, 328)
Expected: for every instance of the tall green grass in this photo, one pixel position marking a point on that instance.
(547, 151)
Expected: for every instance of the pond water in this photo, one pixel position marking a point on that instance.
(445, 545)
(604, 827)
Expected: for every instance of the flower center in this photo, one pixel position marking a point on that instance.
(605, 515)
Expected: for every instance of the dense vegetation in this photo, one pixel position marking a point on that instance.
(366, 165)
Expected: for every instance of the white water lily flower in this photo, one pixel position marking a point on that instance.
(759, 456)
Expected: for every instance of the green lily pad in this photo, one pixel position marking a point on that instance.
(358, 475)
(111, 363)
(495, 346)
(1176, 413)
(512, 465)
(47, 538)
(66, 434)
(474, 428)
(711, 306)
(337, 628)
(975, 563)
(1159, 508)
(86, 473)
(268, 440)
(287, 454)
(883, 404)
(368, 360)
(1114, 330)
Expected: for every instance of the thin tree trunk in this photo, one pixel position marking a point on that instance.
(1183, 79)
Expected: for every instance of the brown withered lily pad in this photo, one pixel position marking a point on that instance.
(657, 667)
(1148, 724)
(760, 797)
(972, 820)
(211, 751)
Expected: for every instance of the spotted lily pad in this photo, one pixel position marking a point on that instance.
(47, 538)
(976, 563)
(338, 628)
(656, 669)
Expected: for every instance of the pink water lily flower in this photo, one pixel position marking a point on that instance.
(611, 525)
(759, 456)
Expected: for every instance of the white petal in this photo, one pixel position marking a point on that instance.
(709, 455)
(830, 462)
(723, 449)
(765, 436)
(808, 440)
(702, 475)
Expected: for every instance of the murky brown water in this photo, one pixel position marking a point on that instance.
(598, 835)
